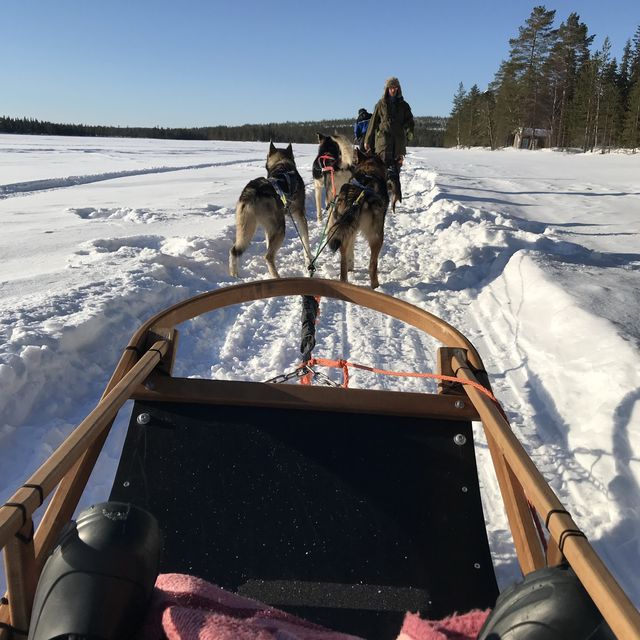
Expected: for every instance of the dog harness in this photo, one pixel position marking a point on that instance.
(285, 184)
(363, 188)
(326, 162)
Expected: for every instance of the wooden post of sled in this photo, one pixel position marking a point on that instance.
(606, 593)
(23, 564)
(525, 535)
(22, 576)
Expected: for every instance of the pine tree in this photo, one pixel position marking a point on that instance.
(569, 53)
(508, 113)
(583, 106)
(634, 66)
(631, 129)
(624, 75)
(631, 132)
(487, 124)
(602, 59)
(611, 109)
(454, 128)
(471, 121)
(528, 55)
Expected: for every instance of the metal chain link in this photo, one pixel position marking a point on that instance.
(323, 377)
(302, 371)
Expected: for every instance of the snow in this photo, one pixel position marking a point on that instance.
(534, 256)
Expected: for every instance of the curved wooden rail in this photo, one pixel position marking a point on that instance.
(361, 296)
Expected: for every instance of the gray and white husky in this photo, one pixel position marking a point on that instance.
(331, 168)
(266, 202)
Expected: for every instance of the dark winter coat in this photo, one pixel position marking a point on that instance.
(391, 121)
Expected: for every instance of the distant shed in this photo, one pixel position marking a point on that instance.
(528, 138)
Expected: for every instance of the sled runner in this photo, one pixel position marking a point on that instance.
(344, 507)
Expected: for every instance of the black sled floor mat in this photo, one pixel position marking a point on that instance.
(348, 520)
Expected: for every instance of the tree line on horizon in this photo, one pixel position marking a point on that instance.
(429, 131)
(554, 87)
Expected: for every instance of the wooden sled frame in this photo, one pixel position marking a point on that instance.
(144, 371)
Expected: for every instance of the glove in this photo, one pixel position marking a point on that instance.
(409, 136)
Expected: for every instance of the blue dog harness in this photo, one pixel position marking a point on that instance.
(285, 184)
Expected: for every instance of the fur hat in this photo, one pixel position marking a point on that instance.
(392, 82)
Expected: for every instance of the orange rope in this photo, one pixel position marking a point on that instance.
(345, 364)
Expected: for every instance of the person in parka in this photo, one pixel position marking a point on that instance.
(390, 128)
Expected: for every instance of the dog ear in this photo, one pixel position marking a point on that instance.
(321, 136)
(271, 147)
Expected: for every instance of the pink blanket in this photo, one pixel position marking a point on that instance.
(458, 627)
(188, 608)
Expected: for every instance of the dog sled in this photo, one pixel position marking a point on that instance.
(343, 507)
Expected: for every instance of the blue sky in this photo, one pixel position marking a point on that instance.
(197, 63)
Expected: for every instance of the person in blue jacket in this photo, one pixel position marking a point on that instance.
(360, 128)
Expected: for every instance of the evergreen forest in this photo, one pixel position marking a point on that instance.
(554, 91)
(429, 131)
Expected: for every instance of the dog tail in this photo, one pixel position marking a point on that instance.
(345, 225)
(245, 228)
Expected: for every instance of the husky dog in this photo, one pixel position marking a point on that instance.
(361, 205)
(331, 168)
(266, 201)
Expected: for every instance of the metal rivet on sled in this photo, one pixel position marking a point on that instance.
(476, 565)
(458, 404)
(464, 489)
(143, 418)
(125, 483)
(460, 439)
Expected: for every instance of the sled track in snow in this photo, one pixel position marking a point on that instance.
(48, 184)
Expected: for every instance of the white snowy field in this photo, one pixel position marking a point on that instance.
(535, 256)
